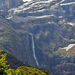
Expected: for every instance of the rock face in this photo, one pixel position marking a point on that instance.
(7, 4)
(51, 22)
(63, 65)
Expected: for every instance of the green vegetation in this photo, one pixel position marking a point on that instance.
(3, 66)
(60, 52)
(22, 70)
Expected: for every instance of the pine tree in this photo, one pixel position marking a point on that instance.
(3, 66)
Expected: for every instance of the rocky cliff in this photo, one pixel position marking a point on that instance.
(7, 4)
(51, 22)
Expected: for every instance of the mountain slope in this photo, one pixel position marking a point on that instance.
(13, 42)
(51, 23)
(22, 70)
(13, 62)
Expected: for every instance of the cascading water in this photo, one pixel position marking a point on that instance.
(33, 48)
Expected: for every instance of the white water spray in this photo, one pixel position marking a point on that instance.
(33, 48)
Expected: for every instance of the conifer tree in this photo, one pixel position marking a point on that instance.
(3, 66)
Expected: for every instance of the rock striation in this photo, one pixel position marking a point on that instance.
(52, 23)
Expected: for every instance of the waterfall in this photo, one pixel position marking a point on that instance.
(33, 48)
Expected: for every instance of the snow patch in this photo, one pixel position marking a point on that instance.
(9, 17)
(26, 0)
(67, 3)
(70, 23)
(44, 16)
(60, 16)
(1, 10)
(62, 1)
(68, 47)
(24, 7)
